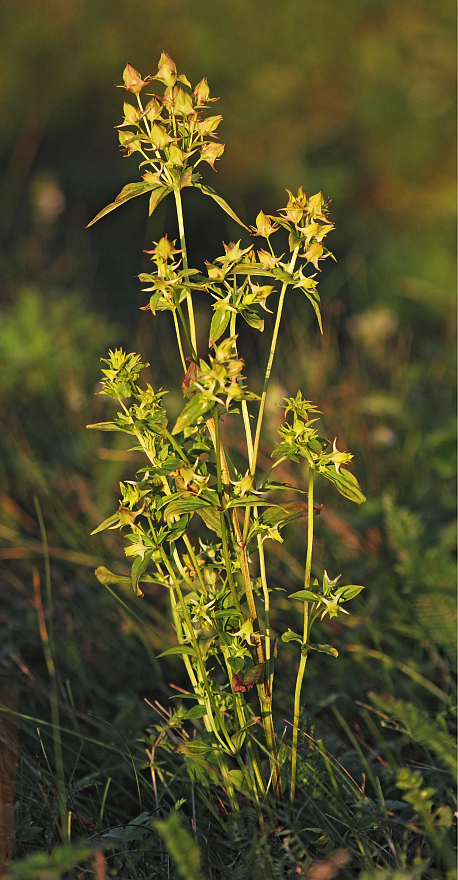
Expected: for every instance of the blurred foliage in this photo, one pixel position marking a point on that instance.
(355, 99)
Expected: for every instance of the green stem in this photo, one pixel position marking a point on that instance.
(186, 331)
(245, 413)
(178, 335)
(180, 637)
(270, 361)
(192, 325)
(211, 705)
(264, 689)
(303, 660)
(227, 559)
(265, 700)
(195, 563)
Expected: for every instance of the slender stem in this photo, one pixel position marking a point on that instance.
(223, 477)
(266, 595)
(192, 325)
(180, 637)
(270, 361)
(264, 689)
(245, 413)
(303, 660)
(180, 347)
(211, 705)
(186, 331)
(195, 563)
(214, 433)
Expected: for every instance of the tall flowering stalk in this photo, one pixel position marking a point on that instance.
(191, 520)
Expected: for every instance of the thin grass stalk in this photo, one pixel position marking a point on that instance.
(54, 705)
(303, 660)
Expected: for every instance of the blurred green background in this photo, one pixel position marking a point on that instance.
(356, 99)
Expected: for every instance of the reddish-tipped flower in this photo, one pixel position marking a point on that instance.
(133, 81)
(211, 152)
(166, 71)
(202, 93)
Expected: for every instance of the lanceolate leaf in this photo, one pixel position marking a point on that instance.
(291, 636)
(138, 567)
(179, 649)
(324, 649)
(209, 191)
(218, 325)
(315, 307)
(211, 519)
(280, 514)
(108, 426)
(306, 595)
(156, 197)
(252, 318)
(184, 505)
(105, 576)
(345, 482)
(351, 591)
(107, 523)
(196, 407)
(130, 191)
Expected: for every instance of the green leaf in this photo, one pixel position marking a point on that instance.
(253, 319)
(105, 576)
(156, 197)
(270, 485)
(291, 636)
(195, 712)
(130, 191)
(315, 305)
(179, 649)
(211, 519)
(306, 595)
(324, 649)
(184, 505)
(236, 663)
(209, 191)
(247, 501)
(193, 410)
(351, 591)
(218, 325)
(178, 528)
(345, 483)
(288, 512)
(138, 567)
(107, 523)
(109, 426)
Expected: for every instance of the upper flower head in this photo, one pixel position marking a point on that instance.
(133, 81)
